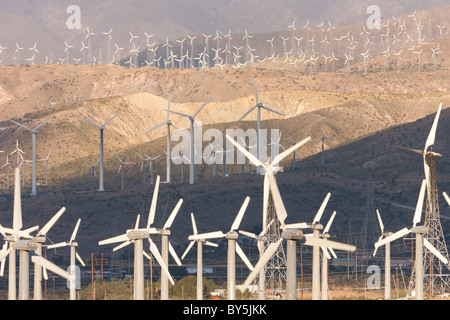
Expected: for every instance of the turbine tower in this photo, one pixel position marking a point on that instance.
(33, 135)
(101, 128)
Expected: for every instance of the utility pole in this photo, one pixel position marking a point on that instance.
(96, 261)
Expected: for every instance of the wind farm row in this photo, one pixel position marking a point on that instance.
(410, 40)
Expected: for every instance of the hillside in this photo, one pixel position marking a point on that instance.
(366, 114)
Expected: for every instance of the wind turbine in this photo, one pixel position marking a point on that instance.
(66, 50)
(269, 179)
(168, 161)
(8, 167)
(152, 165)
(387, 258)
(420, 243)
(192, 125)
(46, 167)
(13, 236)
(233, 248)
(200, 243)
(101, 128)
(35, 244)
(316, 227)
(73, 254)
(121, 168)
(323, 147)
(143, 166)
(167, 247)
(446, 198)
(136, 236)
(92, 166)
(258, 106)
(33, 136)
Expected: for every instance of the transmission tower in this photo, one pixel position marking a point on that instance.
(436, 275)
(368, 234)
(275, 269)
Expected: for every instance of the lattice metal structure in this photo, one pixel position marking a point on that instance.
(275, 269)
(369, 232)
(436, 275)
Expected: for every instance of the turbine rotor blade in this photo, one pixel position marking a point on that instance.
(159, 259)
(430, 247)
(57, 245)
(187, 249)
(79, 259)
(446, 198)
(151, 215)
(278, 158)
(432, 134)
(174, 254)
(328, 226)
(399, 234)
(380, 221)
(51, 266)
(243, 257)
(209, 235)
(321, 209)
(116, 239)
(240, 215)
(419, 206)
(52, 221)
(270, 251)
(172, 216)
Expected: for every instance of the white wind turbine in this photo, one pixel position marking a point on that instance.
(17, 53)
(13, 236)
(152, 165)
(109, 38)
(270, 183)
(192, 125)
(36, 244)
(8, 168)
(24, 246)
(136, 236)
(233, 248)
(121, 168)
(316, 227)
(420, 243)
(66, 50)
(326, 257)
(318, 241)
(143, 161)
(33, 136)
(101, 128)
(46, 167)
(168, 160)
(33, 48)
(82, 50)
(166, 248)
(92, 166)
(387, 258)
(88, 37)
(258, 106)
(200, 243)
(73, 255)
